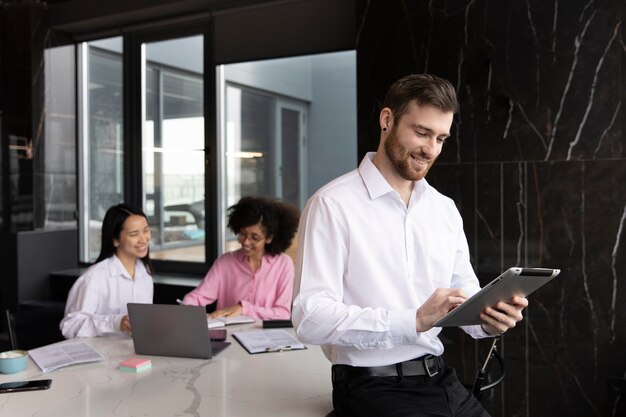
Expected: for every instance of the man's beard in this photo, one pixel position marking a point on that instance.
(401, 160)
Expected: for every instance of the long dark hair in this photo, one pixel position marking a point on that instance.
(112, 226)
(279, 219)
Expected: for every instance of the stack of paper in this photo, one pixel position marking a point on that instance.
(52, 357)
(135, 365)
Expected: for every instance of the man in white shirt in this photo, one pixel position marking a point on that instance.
(381, 256)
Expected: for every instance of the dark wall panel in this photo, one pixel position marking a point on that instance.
(537, 166)
(284, 29)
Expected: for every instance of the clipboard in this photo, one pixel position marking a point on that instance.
(265, 341)
(513, 281)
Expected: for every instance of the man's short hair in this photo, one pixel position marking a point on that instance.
(424, 89)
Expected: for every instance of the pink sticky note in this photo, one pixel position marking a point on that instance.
(135, 363)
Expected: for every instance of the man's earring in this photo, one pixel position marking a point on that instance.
(384, 129)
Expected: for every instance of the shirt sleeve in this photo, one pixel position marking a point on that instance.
(319, 314)
(465, 278)
(283, 292)
(207, 291)
(81, 317)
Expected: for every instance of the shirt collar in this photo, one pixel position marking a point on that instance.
(117, 268)
(266, 258)
(374, 181)
(377, 185)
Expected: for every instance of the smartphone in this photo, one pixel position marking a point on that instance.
(19, 386)
(217, 335)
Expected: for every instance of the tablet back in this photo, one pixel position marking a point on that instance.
(514, 281)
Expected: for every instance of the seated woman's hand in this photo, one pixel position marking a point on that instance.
(125, 325)
(232, 311)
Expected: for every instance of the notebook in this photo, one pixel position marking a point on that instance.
(172, 330)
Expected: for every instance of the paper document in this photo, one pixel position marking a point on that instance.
(49, 358)
(226, 321)
(264, 341)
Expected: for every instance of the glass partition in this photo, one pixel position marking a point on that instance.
(287, 126)
(100, 153)
(58, 179)
(284, 128)
(173, 148)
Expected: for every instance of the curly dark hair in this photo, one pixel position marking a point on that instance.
(278, 218)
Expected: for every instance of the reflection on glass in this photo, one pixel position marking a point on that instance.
(249, 134)
(290, 174)
(287, 126)
(173, 148)
(100, 138)
(59, 172)
(263, 144)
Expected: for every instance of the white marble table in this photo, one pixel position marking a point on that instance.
(233, 383)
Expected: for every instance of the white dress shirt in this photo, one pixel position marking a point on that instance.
(367, 262)
(97, 301)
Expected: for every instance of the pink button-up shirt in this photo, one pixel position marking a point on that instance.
(264, 294)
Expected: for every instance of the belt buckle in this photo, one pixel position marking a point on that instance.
(426, 368)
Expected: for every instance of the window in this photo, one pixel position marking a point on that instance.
(58, 181)
(173, 148)
(101, 142)
(264, 145)
(288, 126)
(162, 127)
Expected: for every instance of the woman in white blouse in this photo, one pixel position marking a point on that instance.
(96, 304)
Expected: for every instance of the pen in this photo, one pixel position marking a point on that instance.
(179, 301)
(277, 348)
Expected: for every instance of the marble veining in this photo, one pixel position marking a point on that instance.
(614, 255)
(520, 205)
(577, 43)
(536, 164)
(605, 132)
(537, 47)
(191, 387)
(585, 276)
(592, 92)
(233, 383)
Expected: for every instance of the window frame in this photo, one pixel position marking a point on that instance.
(132, 115)
(134, 186)
(223, 44)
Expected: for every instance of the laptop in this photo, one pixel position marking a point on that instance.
(172, 330)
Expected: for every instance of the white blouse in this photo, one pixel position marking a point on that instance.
(97, 301)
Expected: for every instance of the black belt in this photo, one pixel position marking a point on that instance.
(425, 365)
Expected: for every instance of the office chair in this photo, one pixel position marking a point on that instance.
(34, 327)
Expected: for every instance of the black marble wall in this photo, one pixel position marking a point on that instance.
(537, 168)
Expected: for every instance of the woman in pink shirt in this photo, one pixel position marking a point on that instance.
(256, 280)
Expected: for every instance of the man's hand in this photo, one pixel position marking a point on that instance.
(232, 311)
(504, 316)
(438, 305)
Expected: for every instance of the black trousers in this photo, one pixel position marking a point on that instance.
(414, 396)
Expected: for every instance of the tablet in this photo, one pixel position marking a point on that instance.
(514, 281)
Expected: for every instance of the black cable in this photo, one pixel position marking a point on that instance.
(483, 372)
